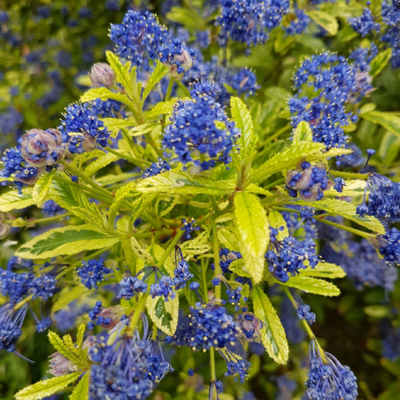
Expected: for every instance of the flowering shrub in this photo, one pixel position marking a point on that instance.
(184, 208)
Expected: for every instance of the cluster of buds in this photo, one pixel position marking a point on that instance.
(42, 148)
(308, 181)
(102, 75)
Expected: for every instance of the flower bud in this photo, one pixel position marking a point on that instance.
(177, 58)
(88, 143)
(40, 148)
(102, 75)
(60, 365)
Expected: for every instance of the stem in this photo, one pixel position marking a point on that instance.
(345, 228)
(134, 161)
(170, 248)
(138, 311)
(204, 275)
(41, 220)
(23, 302)
(169, 90)
(212, 365)
(184, 88)
(217, 267)
(214, 215)
(273, 184)
(350, 175)
(278, 133)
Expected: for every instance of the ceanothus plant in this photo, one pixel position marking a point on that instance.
(177, 214)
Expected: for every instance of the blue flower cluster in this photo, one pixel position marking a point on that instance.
(304, 312)
(92, 272)
(96, 319)
(10, 322)
(298, 24)
(335, 81)
(389, 246)
(383, 200)
(134, 363)
(289, 256)
(308, 181)
(249, 21)
(235, 365)
(331, 380)
(365, 23)
(390, 13)
(51, 208)
(156, 168)
(200, 127)
(208, 326)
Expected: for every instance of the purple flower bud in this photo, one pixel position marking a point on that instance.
(177, 58)
(40, 148)
(102, 75)
(60, 365)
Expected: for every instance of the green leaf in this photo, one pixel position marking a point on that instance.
(47, 387)
(139, 251)
(80, 335)
(253, 232)
(42, 187)
(196, 246)
(387, 120)
(277, 221)
(119, 196)
(182, 182)
(324, 270)
(68, 296)
(228, 239)
(81, 390)
(122, 72)
(380, 62)
(62, 348)
(159, 72)
(66, 241)
(105, 94)
(164, 313)
(165, 107)
(287, 159)
(273, 334)
(116, 124)
(325, 21)
(12, 200)
(237, 267)
(188, 18)
(346, 210)
(103, 159)
(302, 133)
(248, 139)
(312, 285)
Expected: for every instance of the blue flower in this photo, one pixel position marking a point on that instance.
(194, 132)
(85, 13)
(245, 82)
(131, 286)
(299, 24)
(389, 246)
(391, 13)
(236, 365)
(43, 325)
(291, 323)
(92, 272)
(203, 39)
(96, 319)
(43, 287)
(303, 312)
(181, 272)
(331, 380)
(365, 23)
(163, 288)
(10, 322)
(189, 227)
(392, 37)
(50, 208)
(159, 167)
(10, 120)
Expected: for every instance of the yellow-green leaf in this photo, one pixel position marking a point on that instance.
(116, 124)
(165, 107)
(159, 72)
(346, 210)
(380, 62)
(61, 347)
(324, 270)
(12, 200)
(81, 390)
(253, 232)
(302, 133)
(228, 239)
(67, 296)
(47, 387)
(273, 334)
(42, 187)
(66, 241)
(106, 94)
(164, 313)
(387, 120)
(80, 335)
(312, 285)
(277, 221)
(324, 20)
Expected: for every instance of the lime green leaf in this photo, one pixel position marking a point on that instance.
(139, 251)
(277, 221)
(196, 246)
(237, 267)
(67, 339)
(169, 264)
(188, 18)
(228, 239)
(325, 21)
(182, 182)
(159, 72)
(164, 313)
(273, 334)
(165, 107)
(80, 335)
(67, 296)
(119, 197)
(66, 241)
(47, 387)
(252, 188)
(302, 133)
(122, 72)
(346, 210)
(103, 159)
(312, 285)
(387, 120)
(105, 94)
(116, 124)
(12, 200)
(353, 188)
(62, 348)
(380, 62)
(253, 232)
(42, 187)
(248, 139)
(324, 270)
(287, 159)
(81, 390)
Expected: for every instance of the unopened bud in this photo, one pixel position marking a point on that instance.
(102, 75)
